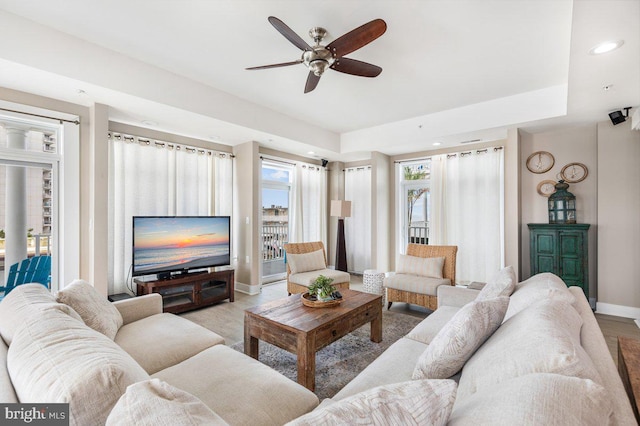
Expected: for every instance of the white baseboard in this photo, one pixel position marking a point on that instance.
(251, 290)
(618, 310)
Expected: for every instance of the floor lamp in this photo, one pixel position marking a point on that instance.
(341, 209)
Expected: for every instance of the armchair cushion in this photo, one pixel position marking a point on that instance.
(422, 266)
(306, 262)
(307, 278)
(415, 284)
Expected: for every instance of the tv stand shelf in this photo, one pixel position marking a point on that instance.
(190, 291)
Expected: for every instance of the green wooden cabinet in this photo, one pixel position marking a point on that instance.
(561, 249)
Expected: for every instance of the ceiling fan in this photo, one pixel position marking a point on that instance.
(318, 58)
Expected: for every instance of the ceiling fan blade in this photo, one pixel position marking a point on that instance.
(353, 67)
(289, 34)
(284, 64)
(312, 82)
(355, 39)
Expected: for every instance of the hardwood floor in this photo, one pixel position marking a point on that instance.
(227, 319)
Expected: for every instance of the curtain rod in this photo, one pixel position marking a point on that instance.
(76, 122)
(262, 157)
(163, 144)
(495, 149)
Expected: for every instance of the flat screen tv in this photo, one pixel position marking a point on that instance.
(166, 244)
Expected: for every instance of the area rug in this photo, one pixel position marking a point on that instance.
(341, 361)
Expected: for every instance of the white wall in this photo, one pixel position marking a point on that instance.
(618, 219)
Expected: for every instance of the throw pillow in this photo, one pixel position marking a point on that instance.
(421, 402)
(502, 283)
(96, 311)
(157, 403)
(306, 262)
(460, 338)
(422, 266)
(536, 399)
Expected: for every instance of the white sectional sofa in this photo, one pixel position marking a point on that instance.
(49, 354)
(547, 363)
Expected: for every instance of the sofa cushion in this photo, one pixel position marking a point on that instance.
(154, 402)
(307, 278)
(7, 393)
(305, 262)
(418, 402)
(541, 399)
(502, 283)
(460, 337)
(428, 328)
(544, 338)
(541, 286)
(56, 359)
(240, 389)
(422, 266)
(25, 301)
(394, 365)
(415, 283)
(96, 311)
(163, 340)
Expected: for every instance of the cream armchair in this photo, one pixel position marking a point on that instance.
(419, 273)
(305, 263)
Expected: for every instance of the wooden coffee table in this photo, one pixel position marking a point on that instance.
(302, 330)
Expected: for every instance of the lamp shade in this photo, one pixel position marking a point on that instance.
(340, 208)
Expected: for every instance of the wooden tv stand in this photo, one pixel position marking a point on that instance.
(190, 291)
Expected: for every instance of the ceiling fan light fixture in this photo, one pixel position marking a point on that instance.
(318, 66)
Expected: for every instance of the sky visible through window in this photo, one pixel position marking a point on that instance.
(275, 197)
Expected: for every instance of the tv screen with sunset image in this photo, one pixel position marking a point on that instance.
(179, 243)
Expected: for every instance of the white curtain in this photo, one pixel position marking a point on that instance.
(357, 228)
(467, 202)
(148, 178)
(309, 212)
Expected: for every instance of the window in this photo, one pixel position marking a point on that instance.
(29, 193)
(414, 202)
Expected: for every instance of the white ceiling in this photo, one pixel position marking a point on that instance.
(453, 71)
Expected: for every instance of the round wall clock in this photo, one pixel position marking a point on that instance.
(540, 162)
(547, 187)
(574, 172)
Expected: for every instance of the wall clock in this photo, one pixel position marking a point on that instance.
(574, 172)
(540, 162)
(547, 187)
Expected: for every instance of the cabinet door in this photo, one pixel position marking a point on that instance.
(544, 250)
(572, 258)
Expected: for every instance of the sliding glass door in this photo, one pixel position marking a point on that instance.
(276, 190)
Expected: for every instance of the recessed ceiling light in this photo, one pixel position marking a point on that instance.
(605, 47)
(149, 123)
(437, 143)
(311, 153)
(214, 137)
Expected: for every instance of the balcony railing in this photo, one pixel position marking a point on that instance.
(419, 234)
(274, 237)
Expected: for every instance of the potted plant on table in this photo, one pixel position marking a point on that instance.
(321, 289)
